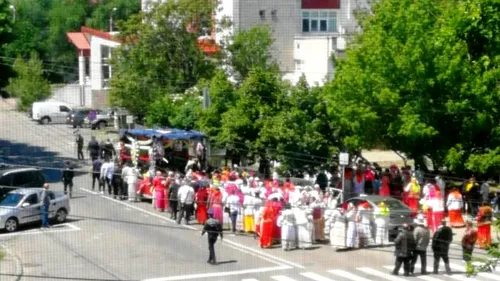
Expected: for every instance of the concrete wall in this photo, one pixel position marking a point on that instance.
(72, 94)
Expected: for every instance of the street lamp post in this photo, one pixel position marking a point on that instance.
(111, 19)
(13, 8)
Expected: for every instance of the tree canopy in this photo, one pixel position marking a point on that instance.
(422, 79)
(160, 56)
(5, 38)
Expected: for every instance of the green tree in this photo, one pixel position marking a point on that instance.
(5, 37)
(251, 49)
(101, 12)
(222, 96)
(64, 16)
(159, 56)
(300, 131)
(180, 112)
(421, 79)
(29, 85)
(259, 97)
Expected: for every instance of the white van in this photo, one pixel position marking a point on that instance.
(50, 112)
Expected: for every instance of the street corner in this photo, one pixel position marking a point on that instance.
(10, 264)
(35, 230)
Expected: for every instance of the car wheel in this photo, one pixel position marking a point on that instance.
(102, 125)
(11, 225)
(61, 216)
(45, 120)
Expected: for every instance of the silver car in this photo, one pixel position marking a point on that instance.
(23, 206)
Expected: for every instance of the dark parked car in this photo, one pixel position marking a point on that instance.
(76, 117)
(399, 213)
(13, 178)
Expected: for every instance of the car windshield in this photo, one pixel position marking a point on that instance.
(392, 204)
(10, 199)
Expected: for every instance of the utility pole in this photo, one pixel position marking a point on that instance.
(13, 8)
(111, 19)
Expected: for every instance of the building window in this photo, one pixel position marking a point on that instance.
(319, 21)
(299, 65)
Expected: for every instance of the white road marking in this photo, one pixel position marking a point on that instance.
(481, 274)
(218, 274)
(128, 209)
(249, 279)
(348, 275)
(461, 277)
(314, 276)
(238, 246)
(38, 231)
(377, 273)
(282, 278)
(428, 278)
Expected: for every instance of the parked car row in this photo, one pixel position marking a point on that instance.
(58, 112)
(20, 198)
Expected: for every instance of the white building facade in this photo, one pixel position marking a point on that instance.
(95, 49)
(307, 32)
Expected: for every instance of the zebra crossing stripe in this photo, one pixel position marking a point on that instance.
(347, 275)
(482, 274)
(461, 277)
(377, 273)
(282, 278)
(314, 276)
(251, 279)
(428, 278)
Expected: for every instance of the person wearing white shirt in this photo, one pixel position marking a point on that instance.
(233, 203)
(131, 175)
(287, 223)
(185, 195)
(107, 171)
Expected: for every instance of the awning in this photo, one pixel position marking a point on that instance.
(164, 133)
(79, 40)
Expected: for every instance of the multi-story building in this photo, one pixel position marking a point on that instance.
(94, 53)
(306, 32)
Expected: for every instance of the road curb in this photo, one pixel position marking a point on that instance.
(18, 274)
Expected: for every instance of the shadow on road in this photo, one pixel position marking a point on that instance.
(21, 154)
(225, 262)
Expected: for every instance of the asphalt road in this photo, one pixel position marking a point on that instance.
(107, 239)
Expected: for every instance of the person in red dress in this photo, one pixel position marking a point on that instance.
(201, 203)
(266, 226)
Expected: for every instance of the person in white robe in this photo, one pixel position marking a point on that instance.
(365, 214)
(304, 238)
(381, 215)
(352, 230)
(318, 212)
(287, 223)
(337, 223)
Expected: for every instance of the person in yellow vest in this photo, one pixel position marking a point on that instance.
(413, 191)
(455, 204)
(381, 222)
(484, 218)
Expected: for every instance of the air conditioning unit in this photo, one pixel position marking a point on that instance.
(341, 43)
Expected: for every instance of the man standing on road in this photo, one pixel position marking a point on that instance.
(186, 200)
(109, 150)
(45, 199)
(441, 245)
(67, 179)
(93, 148)
(234, 204)
(107, 172)
(422, 236)
(131, 175)
(214, 229)
(405, 245)
(173, 198)
(96, 172)
(79, 147)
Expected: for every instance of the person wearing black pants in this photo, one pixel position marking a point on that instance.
(214, 230)
(67, 178)
(117, 183)
(173, 199)
(422, 236)
(441, 246)
(96, 172)
(404, 247)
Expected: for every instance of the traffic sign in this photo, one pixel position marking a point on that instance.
(344, 159)
(130, 119)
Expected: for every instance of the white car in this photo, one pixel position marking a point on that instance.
(23, 206)
(46, 112)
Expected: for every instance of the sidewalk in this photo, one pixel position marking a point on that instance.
(10, 265)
